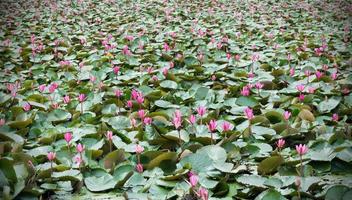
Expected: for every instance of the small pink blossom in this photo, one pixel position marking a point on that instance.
(140, 99)
(133, 122)
(118, 93)
(212, 125)
(203, 193)
(55, 105)
(335, 117)
(249, 113)
(287, 115)
(51, 156)
(92, 79)
(139, 168)
(301, 149)
(171, 65)
(226, 126)
(213, 77)
(245, 91)
(42, 87)
(311, 90)
(80, 148)
(109, 135)
(166, 47)
(292, 71)
(193, 179)
(280, 143)
(68, 137)
(81, 97)
(192, 119)
(129, 103)
(300, 88)
(2, 122)
(147, 120)
(26, 107)
(301, 97)
(116, 70)
(307, 73)
(259, 85)
(334, 76)
(78, 160)
(165, 71)
(251, 75)
(318, 74)
(237, 57)
(201, 110)
(138, 149)
(141, 114)
(67, 99)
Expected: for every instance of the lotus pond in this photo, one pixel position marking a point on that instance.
(132, 99)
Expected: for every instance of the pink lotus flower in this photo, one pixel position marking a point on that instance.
(292, 71)
(228, 56)
(249, 113)
(147, 121)
(92, 79)
(166, 47)
(259, 85)
(192, 119)
(203, 193)
(255, 57)
(334, 76)
(335, 117)
(51, 156)
(287, 115)
(165, 71)
(226, 126)
(318, 74)
(325, 67)
(201, 110)
(109, 135)
(116, 70)
(307, 73)
(301, 97)
(200, 57)
(68, 137)
(177, 122)
(251, 75)
(126, 51)
(129, 37)
(139, 149)
(171, 65)
(52, 88)
(139, 168)
(118, 93)
(140, 99)
(280, 143)
(155, 78)
(212, 125)
(55, 105)
(300, 88)
(2, 122)
(311, 90)
(141, 114)
(67, 99)
(80, 148)
(193, 179)
(245, 91)
(78, 160)
(213, 77)
(42, 87)
(129, 104)
(133, 122)
(26, 107)
(81, 97)
(301, 149)
(237, 57)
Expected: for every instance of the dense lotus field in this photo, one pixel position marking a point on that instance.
(110, 99)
